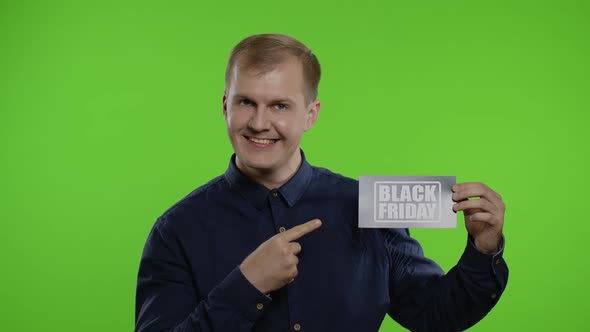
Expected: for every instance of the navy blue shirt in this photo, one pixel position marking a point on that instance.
(349, 277)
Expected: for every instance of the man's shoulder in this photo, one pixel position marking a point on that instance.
(324, 176)
(195, 199)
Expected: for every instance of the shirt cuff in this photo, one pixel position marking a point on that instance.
(246, 298)
(474, 258)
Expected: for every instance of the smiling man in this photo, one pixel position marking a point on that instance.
(267, 110)
(273, 244)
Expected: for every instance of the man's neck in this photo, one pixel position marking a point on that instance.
(272, 179)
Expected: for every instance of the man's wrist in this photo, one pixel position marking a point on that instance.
(487, 247)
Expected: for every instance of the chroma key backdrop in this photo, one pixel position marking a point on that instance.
(110, 112)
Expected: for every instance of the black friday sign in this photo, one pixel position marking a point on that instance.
(406, 202)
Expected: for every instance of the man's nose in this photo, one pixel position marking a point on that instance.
(259, 121)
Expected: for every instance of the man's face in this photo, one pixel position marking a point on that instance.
(266, 115)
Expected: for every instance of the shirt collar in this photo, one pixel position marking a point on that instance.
(256, 193)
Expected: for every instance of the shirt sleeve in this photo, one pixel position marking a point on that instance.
(423, 298)
(167, 300)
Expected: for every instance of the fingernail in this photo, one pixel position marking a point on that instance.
(455, 187)
(318, 222)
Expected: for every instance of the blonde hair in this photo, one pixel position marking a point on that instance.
(265, 51)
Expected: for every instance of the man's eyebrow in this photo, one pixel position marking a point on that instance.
(282, 100)
(241, 97)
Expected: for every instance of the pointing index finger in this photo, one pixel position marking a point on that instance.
(300, 230)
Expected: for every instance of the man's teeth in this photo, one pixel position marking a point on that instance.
(262, 141)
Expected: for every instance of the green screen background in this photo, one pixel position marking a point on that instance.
(110, 112)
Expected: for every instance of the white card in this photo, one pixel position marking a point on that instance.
(406, 202)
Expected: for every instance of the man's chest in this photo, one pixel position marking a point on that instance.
(341, 267)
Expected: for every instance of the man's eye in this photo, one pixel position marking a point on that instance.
(281, 107)
(245, 102)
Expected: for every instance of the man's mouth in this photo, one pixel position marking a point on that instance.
(262, 140)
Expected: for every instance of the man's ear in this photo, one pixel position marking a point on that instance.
(224, 104)
(313, 111)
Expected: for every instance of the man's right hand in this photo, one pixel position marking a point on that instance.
(274, 263)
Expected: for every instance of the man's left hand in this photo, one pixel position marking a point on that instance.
(484, 214)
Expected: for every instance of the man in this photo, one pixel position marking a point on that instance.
(273, 244)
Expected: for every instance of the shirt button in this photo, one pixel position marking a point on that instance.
(497, 262)
(259, 306)
(296, 327)
(493, 296)
(275, 194)
(282, 229)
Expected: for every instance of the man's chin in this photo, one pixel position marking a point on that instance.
(255, 164)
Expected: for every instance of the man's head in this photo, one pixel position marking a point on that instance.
(269, 101)
(264, 52)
